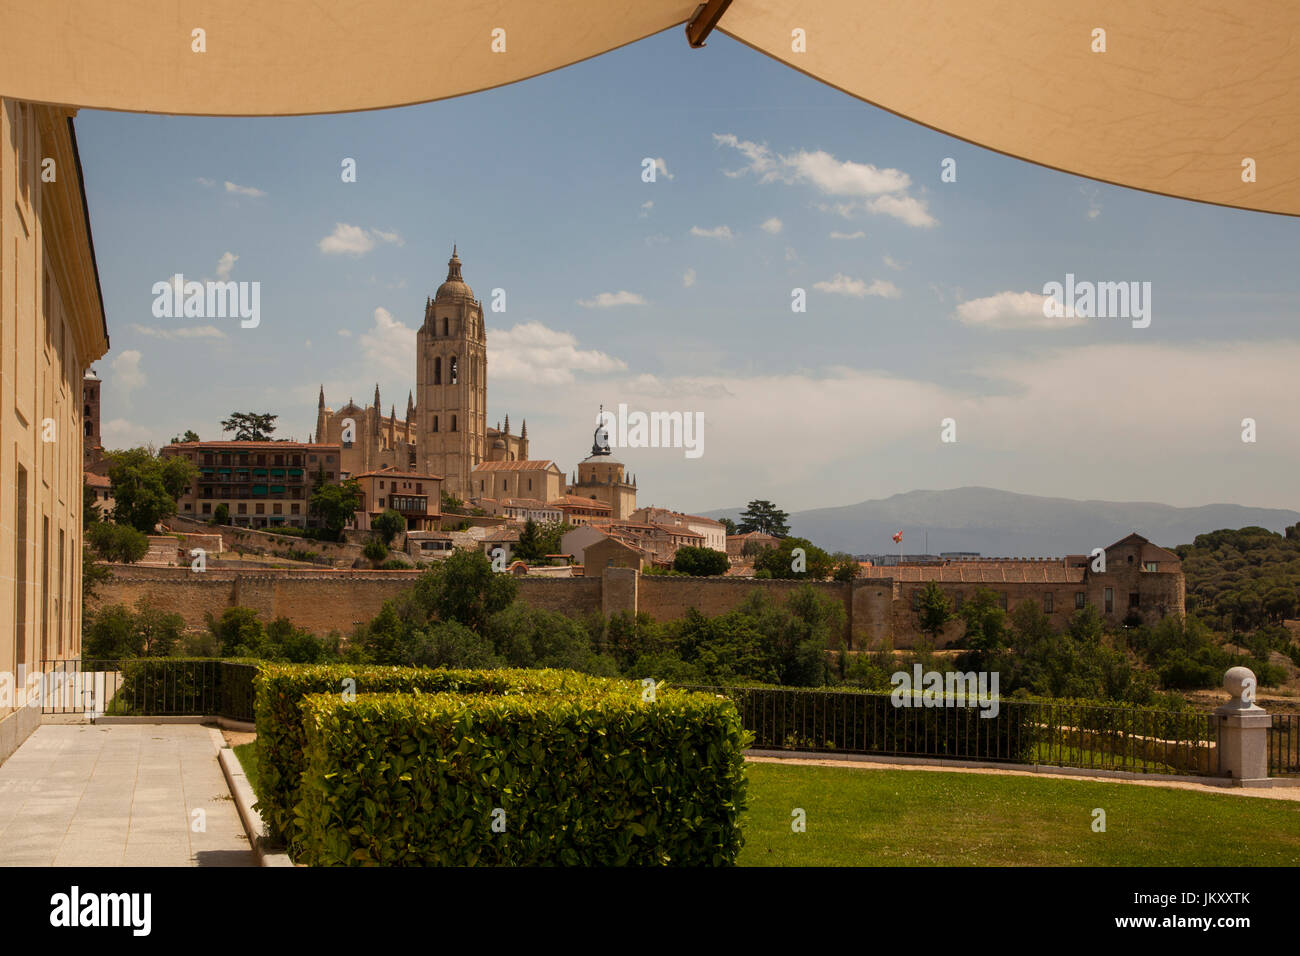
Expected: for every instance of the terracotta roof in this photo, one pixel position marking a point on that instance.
(252, 445)
(573, 501)
(960, 573)
(502, 534)
(393, 473)
(97, 481)
(536, 503)
(537, 464)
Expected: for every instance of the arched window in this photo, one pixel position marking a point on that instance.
(452, 376)
(437, 371)
(444, 325)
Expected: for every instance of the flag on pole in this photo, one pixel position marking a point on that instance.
(898, 538)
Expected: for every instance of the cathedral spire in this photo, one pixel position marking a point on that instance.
(377, 408)
(410, 405)
(321, 402)
(523, 432)
(507, 424)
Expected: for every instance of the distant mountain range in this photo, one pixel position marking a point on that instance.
(1004, 524)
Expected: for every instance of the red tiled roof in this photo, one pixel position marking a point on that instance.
(97, 481)
(537, 464)
(252, 445)
(573, 501)
(390, 472)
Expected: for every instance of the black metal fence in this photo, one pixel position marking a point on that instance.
(1284, 746)
(1051, 733)
(148, 687)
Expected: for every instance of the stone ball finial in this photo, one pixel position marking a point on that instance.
(1237, 680)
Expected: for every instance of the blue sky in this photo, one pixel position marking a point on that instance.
(771, 181)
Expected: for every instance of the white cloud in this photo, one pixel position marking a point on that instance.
(717, 232)
(206, 182)
(662, 168)
(243, 190)
(388, 344)
(1011, 310)
(893, 263)
(179, 332)
(345, 333)
(849, 235)
(857, 288)
(127, 374)
(352, 240)
(120, 433)
(225, 264)
(772, 226)
(688, 278)
(531, 352)
(870, 188)
(606, 300)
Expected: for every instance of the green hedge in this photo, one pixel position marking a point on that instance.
(597, 779)
(281, 739)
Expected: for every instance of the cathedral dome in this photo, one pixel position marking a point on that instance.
(455, 286)
(499, 443)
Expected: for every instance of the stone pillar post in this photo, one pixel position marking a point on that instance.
(1243, 731)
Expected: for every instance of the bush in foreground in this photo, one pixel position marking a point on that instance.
(600, 778)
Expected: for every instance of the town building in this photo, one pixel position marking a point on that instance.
(264, 484)
(601, 478)
(496, 480)
(91, 443)
(713, 533)
(415, 496)
(52, 327)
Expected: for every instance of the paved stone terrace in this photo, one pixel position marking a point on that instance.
(118, 795)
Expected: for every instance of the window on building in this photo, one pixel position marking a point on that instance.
(1079, 600)
(1002, 598)
(45, 586)
(452, 375)
(243, 508)
(381, 483)
(381, 502)
(20, 569)
(207, 507)
(437, 370)
(444, 325)
(453, 422)
(293, 508)
(1047, 603)
(1109, 599)
(259, 508)
(1149, 566)
(1134, 600)
(435, 422)
(277, 508)
(916, 600)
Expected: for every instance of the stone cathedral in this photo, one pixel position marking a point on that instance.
(445, 431)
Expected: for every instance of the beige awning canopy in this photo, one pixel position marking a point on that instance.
(1190, 98)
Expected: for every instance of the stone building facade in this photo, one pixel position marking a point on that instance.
(52, 327)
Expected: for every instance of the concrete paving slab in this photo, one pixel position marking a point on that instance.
(90, 795)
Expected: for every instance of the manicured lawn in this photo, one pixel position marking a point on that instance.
(925, 818)
(247, 755)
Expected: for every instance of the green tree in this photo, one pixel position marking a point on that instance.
(250, 426)
(846, 566)
(93, 575)
(375, 550)
(90, 512)
(189, 436)
(700, 562)
(729, 525)
(335, 505)
(145, 488)
(529, 547)
(221, 514)
(117, 543)
(782, 562)
(451, 504)
(762, 515)
(388, 525)
(117, 633)
(986, 626)
(935, 611)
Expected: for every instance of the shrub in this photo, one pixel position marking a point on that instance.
(221, 514)
(388, 525)
(700, 562)
(602, 778)
(281, 689)
(117, 542)
(375, 550)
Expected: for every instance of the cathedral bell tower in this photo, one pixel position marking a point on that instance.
(451, 383)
